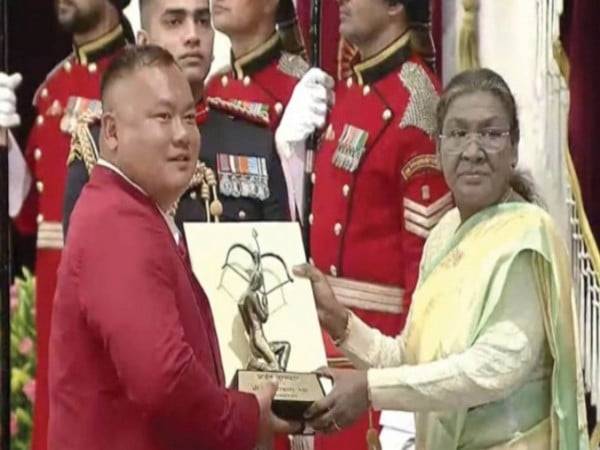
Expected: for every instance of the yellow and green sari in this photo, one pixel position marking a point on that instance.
(463, 274)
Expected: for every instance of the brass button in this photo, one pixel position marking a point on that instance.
(40, 218)
(366, 90)
(349, 82)
(93, 68)
(193, 195)
(333, 271)
(337, 229)
(246, 80)
(44, 93)
(39, 186)
(40, 120)
(37, 154)
(224, 80)
(345, 190)
(278, 108)
(311, 219)
(68, 66)
(387, 115)
(242, 214)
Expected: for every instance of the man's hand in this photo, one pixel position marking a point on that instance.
(348, 400)
(270, 424)
(333, 316)
(306, 110)
(8, 100)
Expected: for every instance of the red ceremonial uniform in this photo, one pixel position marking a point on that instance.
(378, 191)
(72, 87)
(134, 357)
(259, 85)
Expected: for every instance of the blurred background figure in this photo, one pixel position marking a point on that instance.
(99, 30)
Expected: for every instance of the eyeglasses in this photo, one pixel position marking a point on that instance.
(491, 140)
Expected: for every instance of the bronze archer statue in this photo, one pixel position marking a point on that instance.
(253, 306)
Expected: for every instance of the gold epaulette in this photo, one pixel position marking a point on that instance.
(420, 110)
(83, 146)
(293, 65)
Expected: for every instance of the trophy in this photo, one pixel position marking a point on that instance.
(257, 282)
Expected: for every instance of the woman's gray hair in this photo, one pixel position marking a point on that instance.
(479, 80)
(486, 80)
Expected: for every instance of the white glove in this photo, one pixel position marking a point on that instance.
(8, 100)
(305, 113)
(307, 108)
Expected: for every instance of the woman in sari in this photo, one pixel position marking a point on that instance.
(489, 358)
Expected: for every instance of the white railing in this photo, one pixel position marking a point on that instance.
(586, 276)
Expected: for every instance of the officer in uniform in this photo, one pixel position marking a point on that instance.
(239, 175)
(377, 188)
(263, 72)
(99, 33)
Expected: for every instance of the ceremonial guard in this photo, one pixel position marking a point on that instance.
(266, 66)
(263, 73)
(71, 87)
(377, 187)
(239, 175)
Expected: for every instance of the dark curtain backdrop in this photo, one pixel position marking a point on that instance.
(581, 40)
(35, 46)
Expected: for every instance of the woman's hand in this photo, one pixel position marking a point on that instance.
(348, 400)
(332, 315)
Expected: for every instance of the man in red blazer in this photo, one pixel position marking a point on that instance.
(134, 360)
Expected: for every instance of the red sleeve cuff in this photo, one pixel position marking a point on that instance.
(248, 417)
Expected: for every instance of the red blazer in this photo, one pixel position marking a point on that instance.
(134, 360)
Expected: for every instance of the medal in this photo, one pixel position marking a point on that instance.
(243, 176)
(351, 148)
(373, 442)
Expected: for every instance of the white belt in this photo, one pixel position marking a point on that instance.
(368, 296)
(50, 236)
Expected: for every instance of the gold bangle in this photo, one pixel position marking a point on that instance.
(340, 340)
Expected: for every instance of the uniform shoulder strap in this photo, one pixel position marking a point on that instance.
(292, 65)
(423, 98)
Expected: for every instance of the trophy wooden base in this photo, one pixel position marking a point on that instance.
(295, 394)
